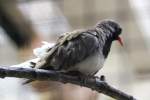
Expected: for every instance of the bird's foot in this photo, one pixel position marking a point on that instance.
(82, 78)
(102, 78)
(85, 78)
(97, 78)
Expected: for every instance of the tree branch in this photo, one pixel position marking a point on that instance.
(39, 74)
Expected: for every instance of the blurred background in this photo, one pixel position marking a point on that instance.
(25, 23)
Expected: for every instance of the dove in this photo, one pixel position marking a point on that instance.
(82, 50)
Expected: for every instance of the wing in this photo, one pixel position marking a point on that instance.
(70, 49)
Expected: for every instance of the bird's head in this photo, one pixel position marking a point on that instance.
(111, 30)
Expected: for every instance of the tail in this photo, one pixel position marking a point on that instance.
(27, 81)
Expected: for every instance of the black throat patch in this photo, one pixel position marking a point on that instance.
(106, 48)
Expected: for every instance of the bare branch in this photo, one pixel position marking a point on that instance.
(39, 74)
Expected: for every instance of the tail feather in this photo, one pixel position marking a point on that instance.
(27, 82)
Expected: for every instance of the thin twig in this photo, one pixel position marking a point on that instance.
(39, 74)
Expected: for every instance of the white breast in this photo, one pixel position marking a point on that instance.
(91, 65)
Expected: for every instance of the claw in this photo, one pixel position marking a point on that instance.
(102, 78)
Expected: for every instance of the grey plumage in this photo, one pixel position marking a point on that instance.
(81, 50)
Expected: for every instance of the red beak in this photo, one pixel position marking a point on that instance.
(120, 41)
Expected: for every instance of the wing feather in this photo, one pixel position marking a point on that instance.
(71, 49)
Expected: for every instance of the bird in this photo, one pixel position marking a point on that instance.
(82, 50)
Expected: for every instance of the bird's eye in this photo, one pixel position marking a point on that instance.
(119, 31)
